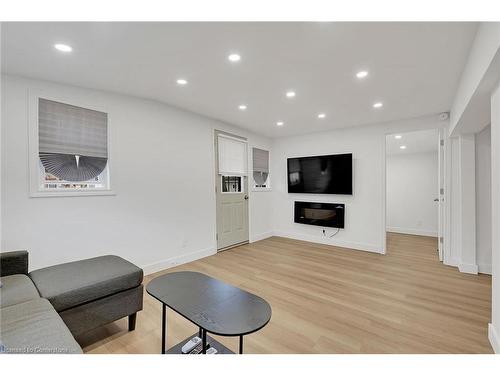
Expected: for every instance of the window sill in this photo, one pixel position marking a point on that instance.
(261, 189)
(49, 194)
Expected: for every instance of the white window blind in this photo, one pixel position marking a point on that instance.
(72, 141)
(260, 167)
(232, 156)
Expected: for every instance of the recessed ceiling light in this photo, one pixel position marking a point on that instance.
(63, 47)
(234, 57)
(290, 94)
(398, 136)
(362, 74)
(280, 123)
(242, 107)
(321, 115)
(402, 147)
(378, 105)
(182, 82)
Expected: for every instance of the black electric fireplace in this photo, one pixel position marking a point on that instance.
(321, 214)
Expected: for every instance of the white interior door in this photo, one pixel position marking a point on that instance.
(231, 190)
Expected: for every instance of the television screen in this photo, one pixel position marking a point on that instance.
(327, 174)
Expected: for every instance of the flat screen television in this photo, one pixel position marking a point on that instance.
(326, 174)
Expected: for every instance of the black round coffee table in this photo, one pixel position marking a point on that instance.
(212, 305)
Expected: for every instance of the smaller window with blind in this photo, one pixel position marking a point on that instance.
(72, 148)
(260, 170)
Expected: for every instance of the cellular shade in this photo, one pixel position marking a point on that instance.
(260, 165)
(70, 168)
(232, 156)
(260, 160)
(73, 141)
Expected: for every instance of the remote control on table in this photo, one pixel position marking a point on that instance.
(198, 349)
(211, 350)
(190, 345)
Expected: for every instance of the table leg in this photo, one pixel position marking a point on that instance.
(204, 342)
(200, 332)
(241, 344)
(163, 328)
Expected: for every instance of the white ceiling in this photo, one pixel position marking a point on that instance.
(414, 68)
(415, 142)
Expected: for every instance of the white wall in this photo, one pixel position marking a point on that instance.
(452, 250)
(365, 209)
(494, 328)
(162, 172)
(1, 127)
(467, 212)
(412, 186)
(483, 200)
(470, 113)
(470, 107)
(463, 198)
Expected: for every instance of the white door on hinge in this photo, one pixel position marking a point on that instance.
(440, 193)
(231, 190)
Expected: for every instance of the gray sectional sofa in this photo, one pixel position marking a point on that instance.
(44, 310)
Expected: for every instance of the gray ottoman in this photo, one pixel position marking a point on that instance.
(92, 292)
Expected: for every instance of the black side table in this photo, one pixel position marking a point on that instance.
(212, 305)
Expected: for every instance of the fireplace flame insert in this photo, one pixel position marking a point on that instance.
(321, 214)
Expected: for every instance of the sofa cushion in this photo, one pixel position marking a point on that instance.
(13, 263)
(17, 289)
(71, 284)
(35, 327)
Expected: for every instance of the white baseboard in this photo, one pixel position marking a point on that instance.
(331, 241)
(485, 268)
(177, 260)
(261, 236)
(468, 268)
(494, 338)
(451, 262)
(416, 232)
(192, 256)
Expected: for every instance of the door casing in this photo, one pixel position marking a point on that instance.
(441, 193)
(443, 183)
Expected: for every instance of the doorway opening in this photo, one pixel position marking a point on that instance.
(414, 194)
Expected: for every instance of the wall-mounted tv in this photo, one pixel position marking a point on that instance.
(326, 174)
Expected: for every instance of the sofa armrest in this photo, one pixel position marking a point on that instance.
(14, 262)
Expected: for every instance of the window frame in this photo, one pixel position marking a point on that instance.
(242, 184)
(250, 173)
(35, 189)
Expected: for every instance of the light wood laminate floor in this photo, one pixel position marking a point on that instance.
(327, 299)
